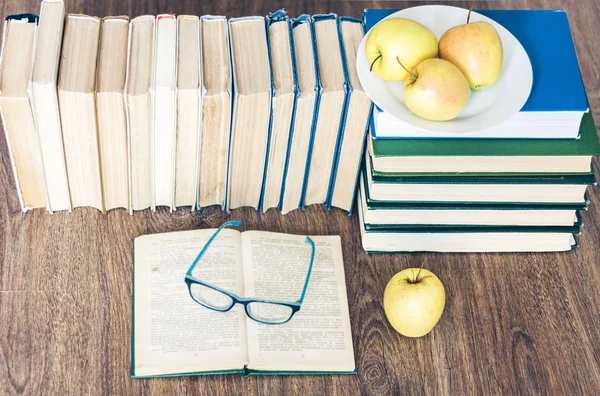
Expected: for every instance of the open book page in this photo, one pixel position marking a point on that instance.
(318, 337)
(172, 333)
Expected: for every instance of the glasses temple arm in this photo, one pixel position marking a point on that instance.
(312, 259)
(199, 256)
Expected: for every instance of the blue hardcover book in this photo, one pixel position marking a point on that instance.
(285, 92)
(355, 121)
(557, 101)
(251, 115)
(307, 114)
(216, 93)
(333, 102)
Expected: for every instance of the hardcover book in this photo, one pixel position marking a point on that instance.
(412, 214)
(139, 99)
(44, 101)
(332, 107)
(386, 238)
(110, 109)
(505, 188)
(307, 114)
(165, 114)
(16, 66)
(358, 107)
(77, 100)
(285, 92)
(251, 111)
(217, 87)
(515, 156)
(189, 111)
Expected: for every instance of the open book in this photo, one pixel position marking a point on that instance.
(172, 335)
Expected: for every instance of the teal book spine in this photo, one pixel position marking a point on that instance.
(348, 91)
(273, 18)
(318, 90)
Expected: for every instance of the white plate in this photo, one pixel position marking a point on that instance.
(487, 107)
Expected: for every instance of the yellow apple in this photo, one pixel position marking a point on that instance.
(436, 90)
(414, 305)
(398, 38)
(476, 49)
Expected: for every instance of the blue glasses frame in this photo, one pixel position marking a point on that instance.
(235, 299)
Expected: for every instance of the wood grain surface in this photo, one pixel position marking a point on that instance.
(514, 323)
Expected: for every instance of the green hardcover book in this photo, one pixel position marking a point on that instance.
(491, 156)
(414, 214)
(507, 189)
(385, 238)
(174, 335)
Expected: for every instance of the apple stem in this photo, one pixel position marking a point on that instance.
(469, 15)
(373, 64)
(415, 77)
(419, 273)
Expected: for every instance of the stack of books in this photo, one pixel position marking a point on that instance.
(187, 111)
(518, 186)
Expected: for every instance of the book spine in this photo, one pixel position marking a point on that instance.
(319, 91)
(233, 96)
(294, 110)
(344, 117)
(29, 18)
(269, 19)
(201, 93)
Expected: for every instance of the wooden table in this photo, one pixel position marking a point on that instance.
(514, 323)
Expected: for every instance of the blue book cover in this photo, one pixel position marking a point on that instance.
(546, 37)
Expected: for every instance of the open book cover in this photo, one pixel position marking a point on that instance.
(173, 335)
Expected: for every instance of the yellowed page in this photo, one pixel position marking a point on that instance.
(172, 333)
(318, 337)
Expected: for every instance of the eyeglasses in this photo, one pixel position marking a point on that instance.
(262, 311)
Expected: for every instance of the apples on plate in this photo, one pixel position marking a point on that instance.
(435, 89)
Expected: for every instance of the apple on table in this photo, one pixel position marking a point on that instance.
(413, 301)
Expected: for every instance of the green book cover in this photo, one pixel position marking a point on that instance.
(586, 145)
(373, 204)
(474, 178)
(479, 177)
(431, 229)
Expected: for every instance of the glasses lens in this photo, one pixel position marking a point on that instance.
(270, 313)
(210, 297)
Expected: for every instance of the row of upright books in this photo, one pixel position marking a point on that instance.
(519, 186)
(186, 111)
